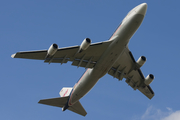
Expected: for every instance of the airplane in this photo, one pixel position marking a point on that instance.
(112, 56)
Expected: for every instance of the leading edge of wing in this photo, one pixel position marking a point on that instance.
(41, 51)
(59, 49)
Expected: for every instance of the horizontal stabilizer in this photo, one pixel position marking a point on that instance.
(61, 102)
(58, 102)
(78, 108)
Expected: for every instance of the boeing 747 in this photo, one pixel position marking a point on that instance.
(112, 57)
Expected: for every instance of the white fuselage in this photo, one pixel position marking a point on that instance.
(120, 40)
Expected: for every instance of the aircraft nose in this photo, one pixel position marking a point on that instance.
(141, 9)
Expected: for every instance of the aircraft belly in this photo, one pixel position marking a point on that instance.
(112, 57)
(109, 57)
(84, 85)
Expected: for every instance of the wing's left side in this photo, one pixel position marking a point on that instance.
(126, 67)
(86, 58)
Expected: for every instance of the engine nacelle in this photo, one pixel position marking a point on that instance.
(84, 45)
(52, 50)
(140, 62)
(149, 79)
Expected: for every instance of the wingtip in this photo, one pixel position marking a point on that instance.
(13, 55)
(39, 101)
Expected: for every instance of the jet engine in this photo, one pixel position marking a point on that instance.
(141, 61)
(149, 79)
(52, 50)
(84, 45)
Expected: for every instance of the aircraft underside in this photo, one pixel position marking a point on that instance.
(112, 57)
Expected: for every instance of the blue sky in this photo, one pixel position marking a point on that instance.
(36, 24)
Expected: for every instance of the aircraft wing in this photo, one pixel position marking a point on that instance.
(125, 68)
(87, 58)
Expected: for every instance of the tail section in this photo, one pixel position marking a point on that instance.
(63, 102)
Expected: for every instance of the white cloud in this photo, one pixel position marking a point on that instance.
(153, 113)
(173, 116)
(170, 109)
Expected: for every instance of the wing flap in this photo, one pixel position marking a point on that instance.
(147, 91)
(85, 63)
(57, 60)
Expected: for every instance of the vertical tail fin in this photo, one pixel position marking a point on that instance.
(65, 91)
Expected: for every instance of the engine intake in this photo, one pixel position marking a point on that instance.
(52, 50)
(149, 79)
(140, 62)
(84, 45)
